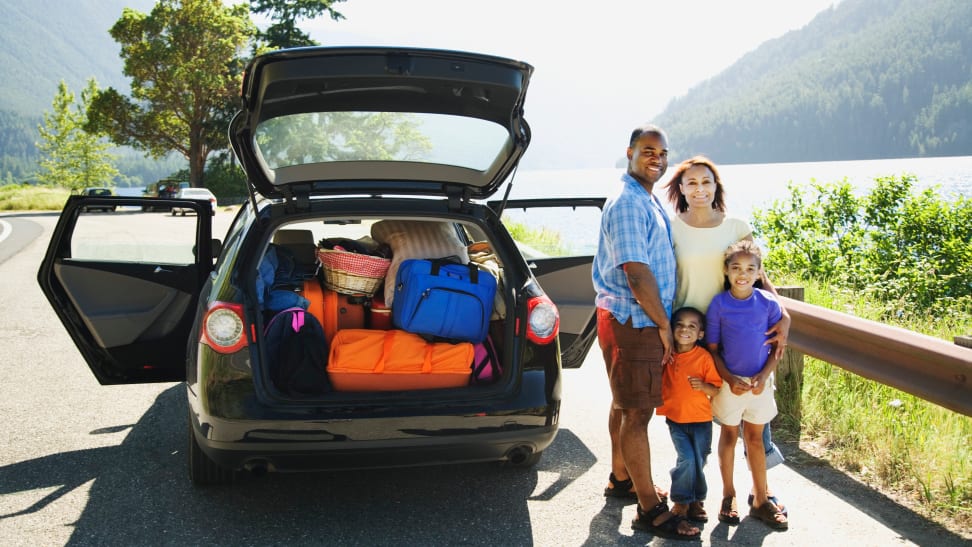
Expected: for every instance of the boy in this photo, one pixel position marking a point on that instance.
(687, 384)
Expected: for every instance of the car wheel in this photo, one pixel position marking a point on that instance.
(202, 470)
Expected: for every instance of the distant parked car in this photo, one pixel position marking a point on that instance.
(163, 189)
(98, 191)
(194, 193)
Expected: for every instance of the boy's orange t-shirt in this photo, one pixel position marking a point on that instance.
(681, 403)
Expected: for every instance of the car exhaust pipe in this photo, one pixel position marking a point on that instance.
(519, 454)
(257, 468)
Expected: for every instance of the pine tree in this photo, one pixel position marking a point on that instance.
(70, 156)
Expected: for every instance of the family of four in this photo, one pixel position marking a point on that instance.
(712, 359)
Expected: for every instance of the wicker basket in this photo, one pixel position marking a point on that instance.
(352, 273)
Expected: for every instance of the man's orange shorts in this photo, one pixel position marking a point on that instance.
(633, 358)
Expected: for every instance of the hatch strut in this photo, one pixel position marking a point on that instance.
(506, 195)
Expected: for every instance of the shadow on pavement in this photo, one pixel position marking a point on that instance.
(141, 490)
(906, 522)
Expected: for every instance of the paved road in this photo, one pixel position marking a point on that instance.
(83, 464)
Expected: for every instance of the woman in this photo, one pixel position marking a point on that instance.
(701, 232)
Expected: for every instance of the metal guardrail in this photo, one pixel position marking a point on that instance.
(927, 367)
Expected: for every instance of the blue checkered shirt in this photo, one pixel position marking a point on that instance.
(634, 228)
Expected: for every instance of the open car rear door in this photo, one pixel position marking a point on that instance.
(126, 286)
(558, 239)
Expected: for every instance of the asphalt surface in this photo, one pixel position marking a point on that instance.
(84, 464)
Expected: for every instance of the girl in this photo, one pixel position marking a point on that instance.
(738, 320)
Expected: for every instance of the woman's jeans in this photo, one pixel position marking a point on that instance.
(693, 443)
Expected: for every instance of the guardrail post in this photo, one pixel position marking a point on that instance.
(789, 372)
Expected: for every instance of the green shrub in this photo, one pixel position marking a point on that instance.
(910, 252)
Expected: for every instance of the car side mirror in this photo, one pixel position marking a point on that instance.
(217, 247)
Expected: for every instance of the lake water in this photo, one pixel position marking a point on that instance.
(749, 186)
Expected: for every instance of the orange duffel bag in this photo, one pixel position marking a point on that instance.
(395, 360)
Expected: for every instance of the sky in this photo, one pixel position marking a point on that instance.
(600, 68)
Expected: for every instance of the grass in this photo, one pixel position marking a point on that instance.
(546, 241)
(16, 197)
(885, 436)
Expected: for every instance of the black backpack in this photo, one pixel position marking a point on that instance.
(296, 353)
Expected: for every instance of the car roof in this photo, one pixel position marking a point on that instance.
(380, 120)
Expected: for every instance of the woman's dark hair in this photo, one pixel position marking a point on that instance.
(675, 196)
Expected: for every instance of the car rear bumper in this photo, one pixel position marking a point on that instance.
(316, 446)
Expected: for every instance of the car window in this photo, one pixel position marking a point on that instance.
(554, 231)
(380, 136)
(133, 238)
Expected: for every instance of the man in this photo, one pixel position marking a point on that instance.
(634, 276)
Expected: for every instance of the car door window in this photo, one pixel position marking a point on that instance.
(557, 231)
(133, 238)
(558, 239)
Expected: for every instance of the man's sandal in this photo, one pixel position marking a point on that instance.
(625, 489)
(667, 529)
(696, 512)
(769, 514)
(728, 513)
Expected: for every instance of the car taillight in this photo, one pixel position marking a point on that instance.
(543, 320)
(222, 327)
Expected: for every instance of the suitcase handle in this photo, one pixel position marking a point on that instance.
(439, 262)
(387, 349)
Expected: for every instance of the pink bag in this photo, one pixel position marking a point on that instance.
(486, 367)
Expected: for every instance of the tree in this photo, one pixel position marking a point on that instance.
(72, 157)
(184, 61)
(283, 32)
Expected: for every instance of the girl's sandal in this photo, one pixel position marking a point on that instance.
(729, 512)
(770, 514)
(667, 529)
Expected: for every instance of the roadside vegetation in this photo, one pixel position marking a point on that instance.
(26, 197)
(900, 258)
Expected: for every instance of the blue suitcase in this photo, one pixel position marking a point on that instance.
(442, 300)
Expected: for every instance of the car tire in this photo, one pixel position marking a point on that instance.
(203, 471)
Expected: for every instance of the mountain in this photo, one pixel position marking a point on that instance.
(42, 43)
(866, 79)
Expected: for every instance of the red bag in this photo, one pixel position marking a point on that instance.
(395, 360)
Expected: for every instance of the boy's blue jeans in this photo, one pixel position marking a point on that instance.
(693, 444)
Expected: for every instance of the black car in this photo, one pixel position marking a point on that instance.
(100, 191)
(335, 142)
